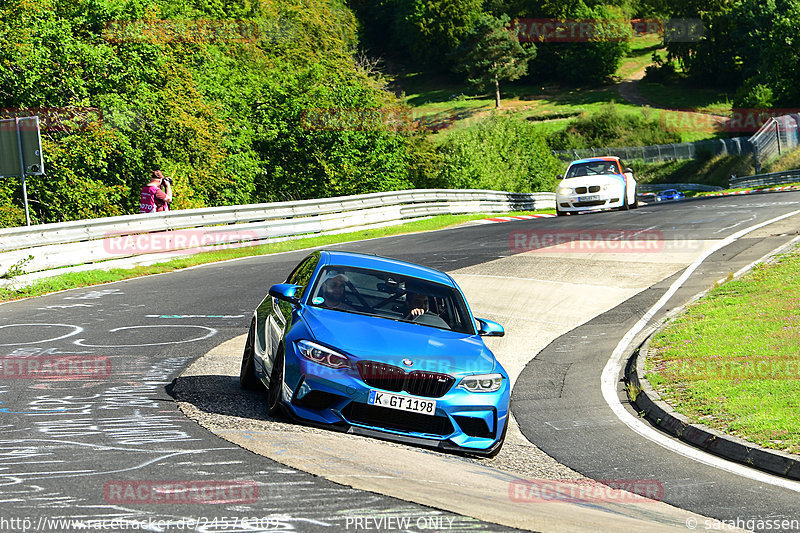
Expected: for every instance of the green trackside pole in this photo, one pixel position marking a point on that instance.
(22, 173)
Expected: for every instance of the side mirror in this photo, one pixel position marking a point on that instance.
(285, 292)
(560, 177)
(489, 328)
(629, 170)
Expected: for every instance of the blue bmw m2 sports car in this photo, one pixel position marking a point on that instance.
(379, 347)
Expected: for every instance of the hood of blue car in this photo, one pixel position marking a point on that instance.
(398, 343)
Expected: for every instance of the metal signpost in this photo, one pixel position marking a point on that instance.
(21, 152)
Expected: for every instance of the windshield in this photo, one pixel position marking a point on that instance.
(388, 295)
(594, 168)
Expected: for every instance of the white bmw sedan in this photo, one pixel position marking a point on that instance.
(596, 183)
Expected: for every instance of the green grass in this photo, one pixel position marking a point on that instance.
(74, 280)
(709, 171)
(787, 161)
(683, 96)
(732, 362)
(550, 107)
(448, 104)
(441, 101)
(641, 54)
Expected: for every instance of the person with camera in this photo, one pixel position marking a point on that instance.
(154, 198)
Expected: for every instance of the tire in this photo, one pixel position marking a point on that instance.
(274, 401)
(560, 213)
(247, 373)
(625, 206)
(635, 203)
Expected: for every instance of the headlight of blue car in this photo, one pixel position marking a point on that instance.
(482, 383)
(322, 355)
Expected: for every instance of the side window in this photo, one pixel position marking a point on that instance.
(302, 274)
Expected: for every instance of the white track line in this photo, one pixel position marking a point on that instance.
(608, 380)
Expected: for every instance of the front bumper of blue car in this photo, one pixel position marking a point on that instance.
(461, 420)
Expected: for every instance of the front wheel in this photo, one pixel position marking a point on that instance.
(247, 372)
(625, 206)
(274, 401)
(635, 203)
(559, 212)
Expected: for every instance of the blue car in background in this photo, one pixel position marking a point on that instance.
(669, 194)
(379, 347)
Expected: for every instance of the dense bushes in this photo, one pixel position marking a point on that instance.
(501, 152)
(228, 117)
(746, 44)
(423, 34)
(222, 116)
(611, 127)
(584, 63)
(11, 211)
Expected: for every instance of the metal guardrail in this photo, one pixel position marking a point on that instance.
(664, 152)
(192, 230)
(761, 180)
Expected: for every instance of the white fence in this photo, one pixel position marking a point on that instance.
(776, 136)
(161, 236)
(664, 152)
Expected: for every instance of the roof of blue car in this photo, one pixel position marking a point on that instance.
(376, 262)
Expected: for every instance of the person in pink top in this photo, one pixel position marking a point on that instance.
(154, 198)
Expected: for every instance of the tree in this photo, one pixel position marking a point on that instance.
(751, 45)
(491, 52)
(432, 29)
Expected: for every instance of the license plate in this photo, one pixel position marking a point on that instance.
(402, 403)
(588, 198)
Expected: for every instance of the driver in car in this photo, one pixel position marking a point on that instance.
(418, 310)
(333, 292)
(416, 305)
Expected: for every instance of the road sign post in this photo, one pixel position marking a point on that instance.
(22, 173)
(21, 152)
